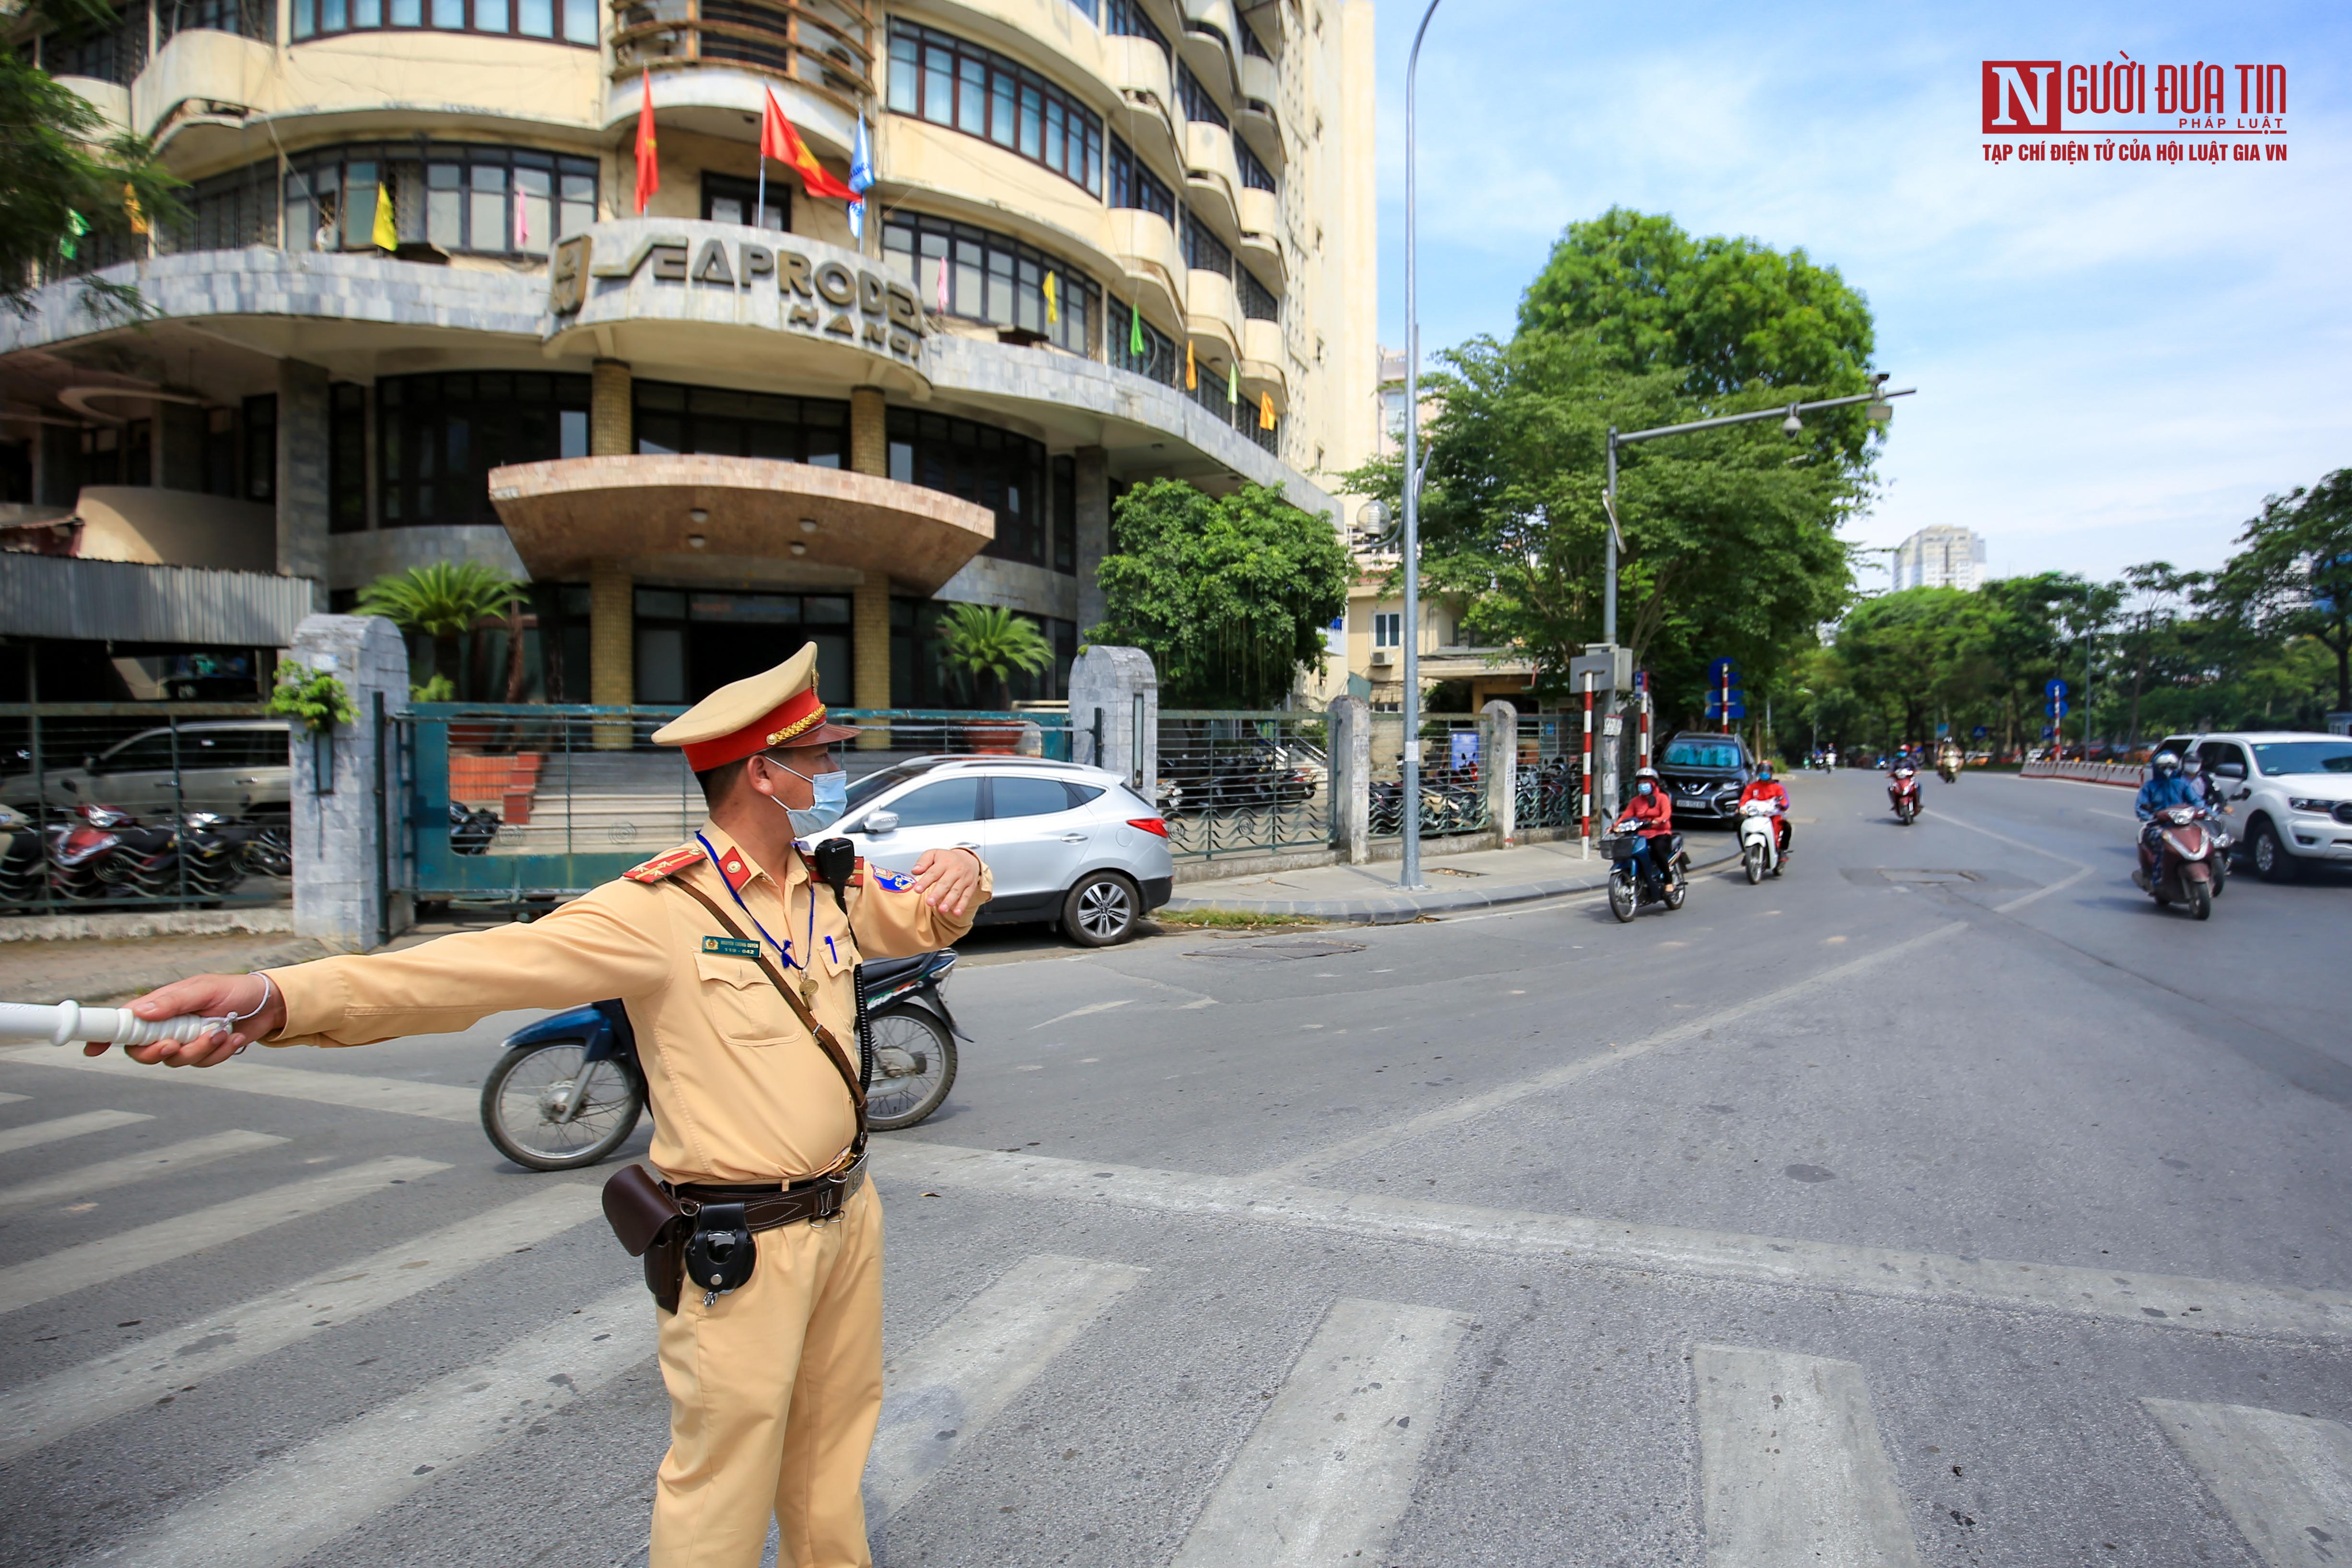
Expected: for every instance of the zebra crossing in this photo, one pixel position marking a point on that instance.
(1789, 1463)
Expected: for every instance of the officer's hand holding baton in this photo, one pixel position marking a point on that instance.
(248, 1002)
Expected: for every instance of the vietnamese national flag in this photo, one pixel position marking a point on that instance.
(780, 141)
(648, 165)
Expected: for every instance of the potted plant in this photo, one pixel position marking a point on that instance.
(444, 601)
(977, 640)
(317, 701)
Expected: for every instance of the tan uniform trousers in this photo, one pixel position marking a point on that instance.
(775, 1391)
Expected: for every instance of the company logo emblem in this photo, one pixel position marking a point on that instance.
(2021, 97)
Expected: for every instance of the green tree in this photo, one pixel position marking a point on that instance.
(2154, 642)
(1229, 595)
(2293, 575)
(444, 601)
(70, 190)
(989, 639)
(1919, 653)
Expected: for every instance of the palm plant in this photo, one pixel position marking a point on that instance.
(990, 640)
(444, 601)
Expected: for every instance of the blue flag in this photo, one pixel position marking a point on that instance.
(861, 179)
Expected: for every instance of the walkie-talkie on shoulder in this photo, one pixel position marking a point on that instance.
(835, 859)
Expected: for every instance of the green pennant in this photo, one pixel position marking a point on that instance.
(1134, 329)
(1234, 382)
(75, 228)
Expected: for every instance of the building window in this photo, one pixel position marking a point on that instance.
(1198, 105)
(731, 198)
(981, 93)
(1125, 18)
(1388, 628)
(346, 458)
(1133, 185)
(1255, 175)
(557, 21)
(116, 54)
(995, 468)
(220, 452)
(228, 212)
(670, 418)
(1204, 251)
(692, 642)
(245, 18)
(486, 201)
(1160, 360)
(1065, 516)
(439, 436)
(261, 447)
(1250, 45)
(919, 679)
(992, 277)
(1259, 302)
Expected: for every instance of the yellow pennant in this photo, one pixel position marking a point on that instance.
(1192, 376)
(130, 210)
(386, 233)
(1053, 301)
(1266, 410)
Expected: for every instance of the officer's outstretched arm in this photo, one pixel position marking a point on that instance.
(612, 942)
(897, 915)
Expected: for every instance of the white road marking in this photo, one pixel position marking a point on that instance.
(1791, 1470)
(12, 1098)
(2012, 843)
(2286, 1481)
(358, 1091)
(34, 1134)
(36, 1414)
(294, 1504)
(1084, 1012)
(2144, 1300)
(168, 1161)
(939, 1394)
(1328, 1470)
(1478, 1105)
(116, 1253)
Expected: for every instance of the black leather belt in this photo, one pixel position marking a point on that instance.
(765, 1208)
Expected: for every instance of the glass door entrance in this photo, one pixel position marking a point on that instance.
(689, 642)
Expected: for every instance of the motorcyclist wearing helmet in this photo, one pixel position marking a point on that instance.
(1652, 816)
(1768, 789)
(2164, 788)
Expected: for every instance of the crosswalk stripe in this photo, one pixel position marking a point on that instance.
(2286, 1481)
(1329, 1468)
(1791, 1470)
(34, 1134)
(356, 1091)
(123, 1252)
(12, 1098)
(940, 1392)
(36, 1414)
(300, 1501)
(170, 1160)
(2165, 1301)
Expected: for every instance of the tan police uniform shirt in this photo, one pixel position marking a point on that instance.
(741, 1093)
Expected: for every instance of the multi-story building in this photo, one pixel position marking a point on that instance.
(1941, 555)
(1108, 240)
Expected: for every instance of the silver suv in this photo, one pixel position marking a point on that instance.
(2289, 793)
(1068, 844)
(237, 767)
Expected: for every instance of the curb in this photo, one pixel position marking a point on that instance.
(1404, 909)
(132, 925)
(131, 981)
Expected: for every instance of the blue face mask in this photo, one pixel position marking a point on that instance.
(831, 798)
(1644, 787)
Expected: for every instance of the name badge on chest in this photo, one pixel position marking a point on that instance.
(730, 946)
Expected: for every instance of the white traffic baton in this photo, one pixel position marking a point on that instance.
(70, 1021)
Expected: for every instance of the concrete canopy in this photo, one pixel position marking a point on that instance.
(563, 514)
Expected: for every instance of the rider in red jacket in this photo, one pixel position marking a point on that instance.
(1652, 815)
(1768, 788)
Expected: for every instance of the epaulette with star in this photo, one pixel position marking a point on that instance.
(666, 864)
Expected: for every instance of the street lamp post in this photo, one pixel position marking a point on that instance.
(1409, 865)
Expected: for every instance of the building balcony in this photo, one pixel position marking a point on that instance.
(1144, 244)
(1260, 215)
(1262, 356)
(198, 90)
(1219, 14)
(112, 102)
(824, 46)
(1260, 85)
(1212, 176)
(1137, 68)
(1213, 312)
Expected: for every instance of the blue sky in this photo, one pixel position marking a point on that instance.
(2116, 363)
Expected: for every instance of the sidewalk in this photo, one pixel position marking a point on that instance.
(1367, 895)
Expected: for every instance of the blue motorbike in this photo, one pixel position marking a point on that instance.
(569, 1090)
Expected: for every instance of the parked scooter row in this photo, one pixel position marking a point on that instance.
(103, 854)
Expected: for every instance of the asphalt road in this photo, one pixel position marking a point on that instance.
(1942, 1202)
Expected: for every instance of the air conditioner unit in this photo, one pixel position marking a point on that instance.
(1383, 655)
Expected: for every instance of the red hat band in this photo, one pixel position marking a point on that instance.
(797, 715)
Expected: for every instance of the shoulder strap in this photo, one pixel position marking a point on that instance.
(824, 1037)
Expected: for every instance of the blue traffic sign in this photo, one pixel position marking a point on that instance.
(1979, 732)
(2059, 710)
(2055, 690)
(1721, 669)
(1738, 709)
(2048, 733)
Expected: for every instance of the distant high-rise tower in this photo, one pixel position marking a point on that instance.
(1944, 556)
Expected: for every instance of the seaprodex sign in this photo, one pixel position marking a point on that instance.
(2126, 109)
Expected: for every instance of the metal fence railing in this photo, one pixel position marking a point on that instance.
(1547, 788)
(1453, 776)
(1243, 782)
(121, 806)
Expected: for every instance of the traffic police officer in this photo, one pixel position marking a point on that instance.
(775, 1386)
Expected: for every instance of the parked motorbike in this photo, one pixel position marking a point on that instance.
(1628, 892)
(569, 1090)
(82, 852)
(2185, 857)
(1760, 840)
(22, 862)
(470, 832)
(1903, 793)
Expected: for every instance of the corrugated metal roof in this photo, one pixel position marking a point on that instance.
(49, 596)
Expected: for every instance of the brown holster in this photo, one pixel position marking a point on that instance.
(652, 1223)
